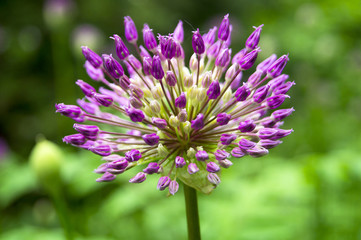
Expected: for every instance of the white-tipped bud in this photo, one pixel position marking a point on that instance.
(191, 153)
(187, 127)
(155, 107)
(231, 72)
(202, 95)
(173, 121)
(157, 91)
(162, 150)
(193, 62)
(207, 79)
(182, 115)
(186, 71)
(188, 81)
(193, 92)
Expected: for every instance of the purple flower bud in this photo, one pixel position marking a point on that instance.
(283, 89)
(103, 99)
(147, 66)
(163, 183)
(223, 118)
(135, 115)
(261, 94)
(89, 131)
(277, 67)
(237, 152)
(267, 133)
(131, 33)
(143, 52)
(173, 187)
(278, 81)
(257, 151)
(227, 139)
(94, 73)
(102, 150)
(192, 168)
(281, 114)
(225, 163)
(214, 90)
(135, 102)
(198, 123)
(181, 101)
(221, 154)
(268, 144)
(124, 82)
(238, 56)
(254, 78)
(276, 101)
(107, 177)
(245, 144)
(171, 79)
(281, 133)
(157, 69)
(179, 162)
(212, 167)
(253, 39)
(102, 168)
(87, 89)
(113, 66)
(228, 41)
(248, 60)
(265, 64)
(140, 177)
(247, 126)
(160, 123)
(120, 164)
(213, 178)
(133, 155)
(202, 155)
(210, 37)
(224, 57)
(169, 48)
(75, 139)
(213, 50)
(242, 92)
(121, 49)
(72, 111)
(94, 59)
(112, 158)
(151, 139)
(134, 62)
(198, 43)
(178, 33)
(182, 115)
(179, 52)
(89, 107)
(268, 122)
(152, 167)
(224, 29)
(149, 39)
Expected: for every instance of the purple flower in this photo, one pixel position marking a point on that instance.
(214, 90)
(197, 117)
(133, 155)
(163, 183)
(157, 69)
(227, 139)
(198, 43)
(152, 167)
(198, 122)
(181, 101)
(135, 115)
(151, 139)
(93, 58)
(131, 33)
(223, 118)
(202, 155)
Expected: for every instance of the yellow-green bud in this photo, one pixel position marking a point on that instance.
(227, 96)
(157, 91)
(191, 153)
(187, 127)
(148, 111)
(173, 121)
(155, 107)
(162, 150)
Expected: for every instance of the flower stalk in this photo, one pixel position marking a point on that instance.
(190, 197)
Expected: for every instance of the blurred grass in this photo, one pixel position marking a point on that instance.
(307, 188)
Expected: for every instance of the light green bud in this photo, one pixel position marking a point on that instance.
(173, 121)
(193, 92)
(182, 115)
(227, 96)
(202, 95)
(157, 91)
(162, 150)
(148, 111)
(191, 153)
(187, 127)
(155, 107)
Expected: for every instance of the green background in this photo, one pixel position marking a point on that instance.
(307, 188)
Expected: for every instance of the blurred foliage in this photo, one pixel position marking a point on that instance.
(308, 188)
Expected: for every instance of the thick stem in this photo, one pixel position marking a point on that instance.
(190, 196)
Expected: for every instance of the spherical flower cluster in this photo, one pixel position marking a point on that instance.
(183, 122)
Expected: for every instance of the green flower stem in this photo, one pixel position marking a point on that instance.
(190, 196)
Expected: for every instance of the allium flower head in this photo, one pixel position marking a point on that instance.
(183, 124)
